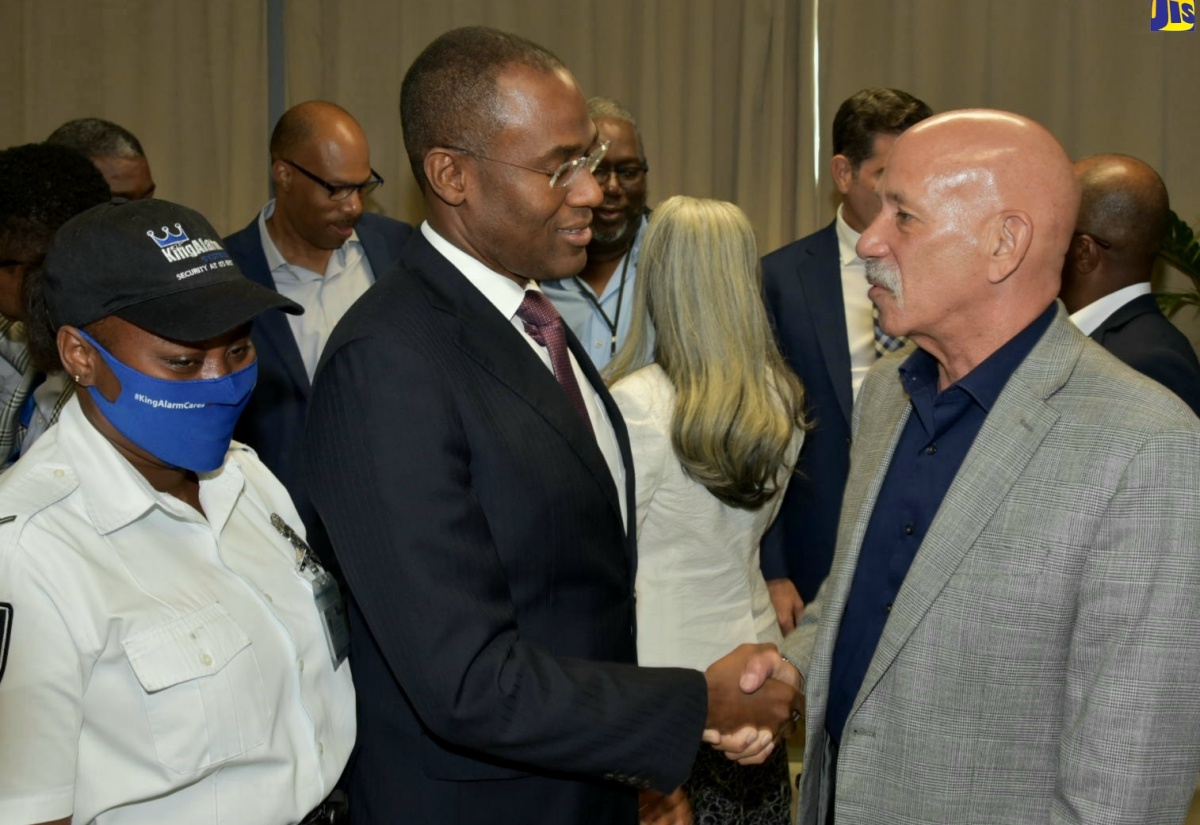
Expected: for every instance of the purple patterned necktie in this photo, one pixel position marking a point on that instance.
(545, 326)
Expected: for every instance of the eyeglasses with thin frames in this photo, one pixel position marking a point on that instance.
(340, 191)
(561, 177)
(627, 176)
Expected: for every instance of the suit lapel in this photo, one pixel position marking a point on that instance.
(374, 248)
(494, 343)
(1139, 306)
(1014, 429)
(821, 282)
(875, 436)
(271, 329)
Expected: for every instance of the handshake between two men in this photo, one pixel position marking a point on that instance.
(754, 701)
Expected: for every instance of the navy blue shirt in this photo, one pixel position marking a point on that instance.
(936, 438)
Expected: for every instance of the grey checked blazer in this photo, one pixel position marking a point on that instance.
(1041, 663)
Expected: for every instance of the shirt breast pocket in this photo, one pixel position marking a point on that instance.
(203, 690)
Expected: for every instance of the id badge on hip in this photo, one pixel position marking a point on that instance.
(328, 599)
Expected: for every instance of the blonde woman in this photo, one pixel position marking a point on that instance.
(715, 422)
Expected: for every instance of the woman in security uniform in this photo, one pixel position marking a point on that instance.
(169, 649)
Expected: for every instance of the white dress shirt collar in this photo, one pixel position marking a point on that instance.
(501, 291)
(279, 266)
(117, 495)
(847, 241)
(1095, 313)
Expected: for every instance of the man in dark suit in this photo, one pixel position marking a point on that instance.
(1106, 276)
(476, 480)
(314, 244)
(817, 298)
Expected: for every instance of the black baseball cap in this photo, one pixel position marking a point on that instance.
(155, 264)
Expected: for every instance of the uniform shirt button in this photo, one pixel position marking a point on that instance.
(206, 660)
(267, 596)
(931, 449)
(908, 529)
(598, 344)
(321, 748)
(59, 473)
(301, 665)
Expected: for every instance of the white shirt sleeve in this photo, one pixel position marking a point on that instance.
(41, 697)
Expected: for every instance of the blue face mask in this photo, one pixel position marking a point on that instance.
(186, 424)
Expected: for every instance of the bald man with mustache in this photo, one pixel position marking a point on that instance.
(1011, 628)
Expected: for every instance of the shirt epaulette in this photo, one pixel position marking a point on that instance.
(33, 490)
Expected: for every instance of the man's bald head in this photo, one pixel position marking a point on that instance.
(310, 121)
(1016, 166)
(1122, 220)
(978, 210)
(316, 145)
(1124, 203)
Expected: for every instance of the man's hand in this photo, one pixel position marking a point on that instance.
(739, 695)
(664, 809)
(750, 745)
(747, 746)
(789, 607)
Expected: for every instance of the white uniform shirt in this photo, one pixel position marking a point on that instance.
(325, 296)
(860, 315)
(162, 666)
(700, 590)
(506, 295)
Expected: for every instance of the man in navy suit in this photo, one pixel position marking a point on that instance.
(816, 293)
(476, 480)
(314, 244)
(1106, 276)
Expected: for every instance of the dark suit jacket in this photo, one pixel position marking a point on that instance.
(479, 532)
(803, 287)
(273, 421)
(1141, 336)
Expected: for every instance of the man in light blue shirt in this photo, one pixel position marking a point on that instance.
(597, 304)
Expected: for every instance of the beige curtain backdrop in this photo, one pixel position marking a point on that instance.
(1089, 70)
(724, 89)
(715, 84)
(188, 77)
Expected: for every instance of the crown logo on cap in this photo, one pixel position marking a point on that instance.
(169, 239)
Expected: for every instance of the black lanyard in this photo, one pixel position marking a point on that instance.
(611, 323)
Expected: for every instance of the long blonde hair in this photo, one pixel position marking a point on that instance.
(737, 404)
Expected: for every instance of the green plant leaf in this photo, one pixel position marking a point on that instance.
(1181, 250)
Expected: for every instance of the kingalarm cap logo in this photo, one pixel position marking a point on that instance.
(176, 246)
(1172, 15)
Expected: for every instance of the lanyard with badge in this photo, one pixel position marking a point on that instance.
(611, 323)
(330, 606)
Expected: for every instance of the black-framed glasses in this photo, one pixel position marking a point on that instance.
(627, 174)
(1100, 242)
(340, 191)
(561, 177)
